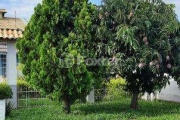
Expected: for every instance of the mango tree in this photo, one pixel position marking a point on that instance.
(140, 35)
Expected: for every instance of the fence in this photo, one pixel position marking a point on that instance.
(27, 97)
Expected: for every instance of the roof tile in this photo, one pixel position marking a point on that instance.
(12, 23)
(11, 28)
(10, 34)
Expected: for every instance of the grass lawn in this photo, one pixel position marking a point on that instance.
(115, 110)
(33, 102)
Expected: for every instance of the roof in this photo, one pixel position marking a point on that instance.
(11, 28)
(11, 33)
(3, 11)
(12, 23)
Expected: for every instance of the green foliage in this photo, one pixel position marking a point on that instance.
(57, 40)
(115, 88)
(32, 102)
(22, 83)
(9, 108)
(142, 36)
(112, 110)
(20, 66)
(116, 82)
(5, 91)
(176, 55)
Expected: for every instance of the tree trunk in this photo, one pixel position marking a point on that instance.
(134, 101)
(67, 106)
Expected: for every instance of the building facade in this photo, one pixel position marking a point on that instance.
(11, 29)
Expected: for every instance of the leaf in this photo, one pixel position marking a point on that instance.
(148, 24)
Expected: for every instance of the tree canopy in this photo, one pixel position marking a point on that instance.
(55, 43)
(141, 35)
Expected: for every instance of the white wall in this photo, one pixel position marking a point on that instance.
(12, 70)
(11, 63)
(170, 92)
(2, 109)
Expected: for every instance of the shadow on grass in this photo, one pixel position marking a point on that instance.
(122, 108)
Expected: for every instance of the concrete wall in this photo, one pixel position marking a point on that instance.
(91, 97)
(12, 70)
(2, 109)
(170, 92)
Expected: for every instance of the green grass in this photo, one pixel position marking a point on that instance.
(115, 110)
(33, 102)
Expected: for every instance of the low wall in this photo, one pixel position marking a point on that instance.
(170, 92)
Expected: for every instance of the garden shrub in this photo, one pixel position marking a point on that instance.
(9, 108)
(117, 82)
(5, 91)
(115, 88)
(101, 91)
(23, 85)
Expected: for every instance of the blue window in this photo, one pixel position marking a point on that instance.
(2, 65)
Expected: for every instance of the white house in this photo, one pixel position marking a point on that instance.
(10, 30)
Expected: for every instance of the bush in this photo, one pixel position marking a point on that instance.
(116, 83)
(115, 88)
(5, 91)
(22, 83)
(9, 108)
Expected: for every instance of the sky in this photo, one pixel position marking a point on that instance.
(25, 8)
